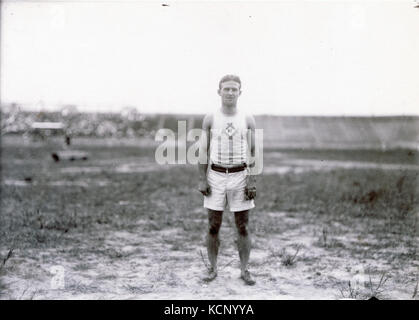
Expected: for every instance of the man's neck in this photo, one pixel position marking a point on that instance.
(229, 109)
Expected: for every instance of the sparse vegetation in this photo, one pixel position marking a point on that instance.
(372, 211)
(350, 291)
(9, 255)
(415, 290)
(286, 258)
(367, 290)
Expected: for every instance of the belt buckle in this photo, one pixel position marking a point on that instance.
(226, 170)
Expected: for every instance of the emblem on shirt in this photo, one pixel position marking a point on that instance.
(230, 130)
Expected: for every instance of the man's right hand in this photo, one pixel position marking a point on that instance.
(204, 188)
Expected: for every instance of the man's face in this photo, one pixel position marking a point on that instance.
(229, 92)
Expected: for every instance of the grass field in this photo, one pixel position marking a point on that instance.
(327, 225)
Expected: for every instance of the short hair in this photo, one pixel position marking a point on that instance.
(230, 77)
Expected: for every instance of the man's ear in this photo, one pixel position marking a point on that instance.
(219, 92)
(240, 92)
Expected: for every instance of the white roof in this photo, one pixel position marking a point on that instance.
(47, 125)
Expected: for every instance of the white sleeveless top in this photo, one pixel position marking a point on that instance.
(228, 145)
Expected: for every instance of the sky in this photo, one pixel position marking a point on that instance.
(293, 57)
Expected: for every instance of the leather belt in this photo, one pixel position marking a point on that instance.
(228, 170)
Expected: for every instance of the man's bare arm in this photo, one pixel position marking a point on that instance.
(204, 151)
(251, 141)
(250, 190)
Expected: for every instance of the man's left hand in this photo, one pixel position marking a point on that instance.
(250, 189)
(250, 193)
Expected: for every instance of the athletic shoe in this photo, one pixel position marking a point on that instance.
(212, 274)
(247, 278)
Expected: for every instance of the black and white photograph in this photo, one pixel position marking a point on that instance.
(209, 150)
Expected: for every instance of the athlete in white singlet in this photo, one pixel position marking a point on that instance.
(228, 142)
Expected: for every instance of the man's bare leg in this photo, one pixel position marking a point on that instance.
(243, 244)
(213, 242)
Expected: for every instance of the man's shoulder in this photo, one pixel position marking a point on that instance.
(249, 116)
(208, 119)
(250, 120)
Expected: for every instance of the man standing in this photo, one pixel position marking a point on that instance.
(225, 172)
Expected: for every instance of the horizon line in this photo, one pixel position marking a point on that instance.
(29, 107)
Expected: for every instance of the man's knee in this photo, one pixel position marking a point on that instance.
(242, 219)
(213, 230)
(214, 222)
(214, 226)
(243, 230)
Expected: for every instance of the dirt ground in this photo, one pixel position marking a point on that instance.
(327, 225)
